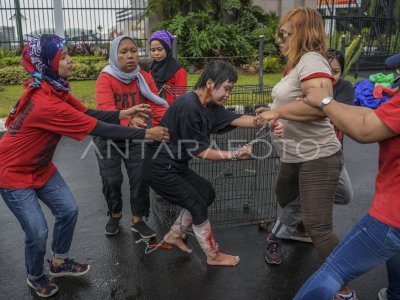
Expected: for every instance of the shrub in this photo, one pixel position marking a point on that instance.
(83, 71)
(97, 67)
(13, 75)
(271, 63)
(10, 61)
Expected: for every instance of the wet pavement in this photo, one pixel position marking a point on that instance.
(121, 270)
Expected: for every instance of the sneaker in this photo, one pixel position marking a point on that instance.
(68, 268)
(145, 231)
(112, 226)
(351, 296)
(43, 286)
(273, 255)
(300, 236)
(382, 294)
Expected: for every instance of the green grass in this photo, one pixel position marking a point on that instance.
(85, 90)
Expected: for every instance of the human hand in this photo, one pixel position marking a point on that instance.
(276, 126)
(138, 122)
(314, 96)
(261, 109)
(139, 110)
(157, 133)
(241, 153)
(264, 117)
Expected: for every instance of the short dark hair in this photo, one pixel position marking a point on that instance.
(218, 71)
(333, 53)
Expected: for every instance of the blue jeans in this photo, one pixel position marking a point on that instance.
(368, 244)
(24, 204)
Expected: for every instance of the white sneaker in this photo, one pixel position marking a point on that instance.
(382, 294)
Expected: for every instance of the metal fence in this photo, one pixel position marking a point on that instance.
(378, 21)
(245, 190)
(93, 22)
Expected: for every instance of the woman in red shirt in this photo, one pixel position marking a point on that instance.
(170, 77)
(45, 112)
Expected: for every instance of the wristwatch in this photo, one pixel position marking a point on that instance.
(325, 102)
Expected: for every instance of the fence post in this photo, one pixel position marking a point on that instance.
(175, 47)
(19, 24)
(260, 62)
(58, 18)
(343, 46)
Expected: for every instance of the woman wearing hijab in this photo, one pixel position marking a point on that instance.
(45, 112)
(167, 73)
(121, 85)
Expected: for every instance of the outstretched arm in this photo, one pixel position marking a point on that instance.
(298, 111)
(359, 123)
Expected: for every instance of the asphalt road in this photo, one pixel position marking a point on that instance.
(121, 270)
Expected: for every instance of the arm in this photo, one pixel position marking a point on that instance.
(299, 111)
(245, 121)
(213, 154)
(359, 123)
(116, 132)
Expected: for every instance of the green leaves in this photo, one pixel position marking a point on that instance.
(229, 28)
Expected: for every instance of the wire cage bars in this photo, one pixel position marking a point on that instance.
(244, 189)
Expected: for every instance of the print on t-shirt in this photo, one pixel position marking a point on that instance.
(16, 124)
(124, 100)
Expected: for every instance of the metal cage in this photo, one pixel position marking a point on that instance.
(244, 189)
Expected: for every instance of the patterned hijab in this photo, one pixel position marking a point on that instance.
(40, 58)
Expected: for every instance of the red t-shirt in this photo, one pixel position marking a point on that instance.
(27, 148)
(386, 204)
(112, 94)
(176, 85)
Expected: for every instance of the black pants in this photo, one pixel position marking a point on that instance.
(110, 156)
(178, 184)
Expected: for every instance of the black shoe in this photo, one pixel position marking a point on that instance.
(112, 226)
(145, 231)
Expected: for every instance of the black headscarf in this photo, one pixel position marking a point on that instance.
(164, 70)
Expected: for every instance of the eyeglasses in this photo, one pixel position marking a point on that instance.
(283, 35)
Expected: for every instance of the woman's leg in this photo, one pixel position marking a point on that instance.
(109, 157)
(393, 270)
(58, 197)
(25, 206)
(180, 185)
(318, 182)
(344, 192)
(368, 244)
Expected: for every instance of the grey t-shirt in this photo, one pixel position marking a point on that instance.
(303, 141)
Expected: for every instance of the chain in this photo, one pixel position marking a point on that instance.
(261, 134)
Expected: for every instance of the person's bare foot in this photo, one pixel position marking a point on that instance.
(172, 238)
(222, 259)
